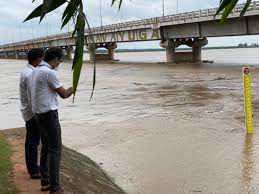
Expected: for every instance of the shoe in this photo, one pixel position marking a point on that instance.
(45, 188)
(60, 191)
(35, 176)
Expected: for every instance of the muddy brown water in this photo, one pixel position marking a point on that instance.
(156, 128)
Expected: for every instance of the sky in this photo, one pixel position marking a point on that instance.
(13, 12)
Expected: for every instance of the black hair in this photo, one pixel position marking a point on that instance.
(34, 54)
(53, 53)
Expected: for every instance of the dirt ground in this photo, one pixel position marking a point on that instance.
(79, 174)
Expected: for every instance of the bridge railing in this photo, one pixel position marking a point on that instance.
(177, 18)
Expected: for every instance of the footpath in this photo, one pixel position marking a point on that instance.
(79, 174)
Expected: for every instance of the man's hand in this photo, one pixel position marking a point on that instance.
(64, 93)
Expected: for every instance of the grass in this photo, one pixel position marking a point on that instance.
(6, 186)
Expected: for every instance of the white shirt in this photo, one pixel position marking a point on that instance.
(44, 82)
(24, 98)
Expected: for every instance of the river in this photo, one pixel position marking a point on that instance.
(157, 128)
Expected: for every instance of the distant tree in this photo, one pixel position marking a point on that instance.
(74, 11)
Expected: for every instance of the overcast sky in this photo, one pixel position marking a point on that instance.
(13, 12)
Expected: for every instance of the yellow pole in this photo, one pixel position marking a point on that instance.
(248, 99)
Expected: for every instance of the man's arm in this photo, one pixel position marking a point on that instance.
(56, 85)
(64, 93)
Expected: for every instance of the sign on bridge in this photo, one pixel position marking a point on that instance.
(127, 36)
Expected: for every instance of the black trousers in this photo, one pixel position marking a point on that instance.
(32, 141)
(51, 148)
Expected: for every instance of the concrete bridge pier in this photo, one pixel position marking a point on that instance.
(197, 44)
(111, 47)
(102, 56)
(69, 52)
(16, 55)
(91, 48)
(6, 55)
(170, 46)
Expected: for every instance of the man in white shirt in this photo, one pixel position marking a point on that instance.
(32, 131)
(45, 88)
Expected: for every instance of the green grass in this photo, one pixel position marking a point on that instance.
(6, 186)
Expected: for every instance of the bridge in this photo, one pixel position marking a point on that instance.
(190, 28)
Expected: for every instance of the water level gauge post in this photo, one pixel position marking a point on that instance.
(248, 99)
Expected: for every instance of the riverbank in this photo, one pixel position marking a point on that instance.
(6, 183)
(79, 174)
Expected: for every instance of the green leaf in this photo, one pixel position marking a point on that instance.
(69, 12)
(248, 2)
(227, 10)
(39, 10)
(73, 5)
(120, 2)
(50, 5)
(67, 19)
(36, 13)
(94, 79)
(46, 7)
(74, 32)
(113, 1)
(79, 51)
(94, 60)
(223, 5)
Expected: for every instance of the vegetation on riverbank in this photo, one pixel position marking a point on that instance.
(6, 186)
